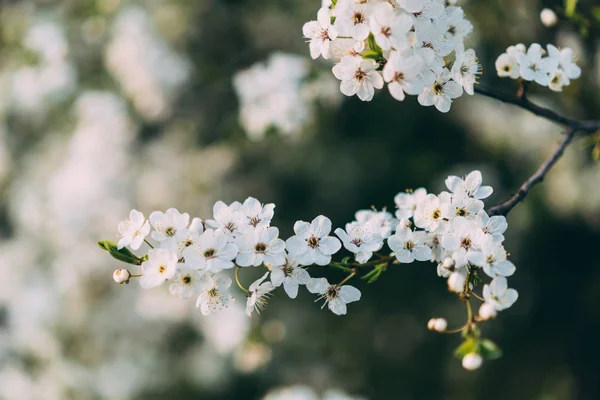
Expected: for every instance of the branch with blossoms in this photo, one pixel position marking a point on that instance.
(417, 48)
(450, 229)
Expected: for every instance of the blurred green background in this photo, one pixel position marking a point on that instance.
(109, 105)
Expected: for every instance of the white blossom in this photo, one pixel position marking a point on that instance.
(133, 230)
(214, 295)
(403, 75)
(487, 311)
(166, 225)
(255, 214)
(470, 186)
(534, 67)
(260, 245)
(359, 77)
(336, 297)
(381, 222)
(311, 244)
(159, 267)
(320, 33)
(258, 295)
(186, 282)
(407, 202)
(291, 275)
(441, 93)
(465, 70)
(211, 253)
(228, 217)
(360, 240)
(409, 246)
(499, 295)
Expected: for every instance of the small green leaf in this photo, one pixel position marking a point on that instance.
(370, 54)
(570, 6)
(373, 275)
(345, 260)
(468, 346)
(373, 45)
(489, 350)
(123, 254)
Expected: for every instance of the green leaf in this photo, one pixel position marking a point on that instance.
(373, 275)
(345, 260)
(489, 350)
(371, 54)
(123, 254)
(468, 346)
(373, 45)
(570, 6)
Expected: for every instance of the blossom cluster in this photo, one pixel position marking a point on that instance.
(553, 67)
(406, 43)
(450, 229)
(280, 93)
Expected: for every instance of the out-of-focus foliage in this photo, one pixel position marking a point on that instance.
(107, 105)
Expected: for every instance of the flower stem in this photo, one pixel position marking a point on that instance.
(346, 279)
(237, 280)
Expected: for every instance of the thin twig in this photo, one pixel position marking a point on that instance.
(539, 175)
(584, 127)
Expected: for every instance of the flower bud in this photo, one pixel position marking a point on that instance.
(443, 272)
(456, 282)
(548, 17)
(440, 325)
(431, 324)
(121, 276)
(487, 311)
(521, 47)
(472, 361)
(448, 263)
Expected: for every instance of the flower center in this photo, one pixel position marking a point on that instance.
(313, 242)
(465, 243)
(188, 243)
(230, 226)
(287, 270)
(360, 75)
(187, 279)
(254, 221)
(436, 214)
(260, 247)
(357, 242)
(333, 292)
(461, 212)
(162, 269)
(409, 245)
(213, 292)
(170, 231)
(438, 88)
(386, 31)
(506, 68)
(399, 77)
(209, 253)
(490, 259)
(358, 18)
(452, 30)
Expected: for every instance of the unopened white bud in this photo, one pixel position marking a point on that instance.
(443, 272)
(456, 282)
(121, 276)
(548, 17)
(431, 324)
(440, 325)
(487, 311)
(448, 263)
(472, 361)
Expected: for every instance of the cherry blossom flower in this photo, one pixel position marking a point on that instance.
(212, 252)
(167, 224)
(260, 245)
(228, 217)
(320, 33)
(360, 240)
(441, 93)
(409, 246)
(214, 295)
(186, 282)
(133, 230)
(336, 297)
(470, 186)
(311, 244)
(407, 202)
(291, 275)
(359, 77)
(258, 295)
(499, 295)
(403, 75)
(255, 214)
(160, 266)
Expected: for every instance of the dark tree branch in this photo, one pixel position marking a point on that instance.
(539, 175)
(586, 127)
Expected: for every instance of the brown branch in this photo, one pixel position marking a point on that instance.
(586, 127)
(539, 175)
